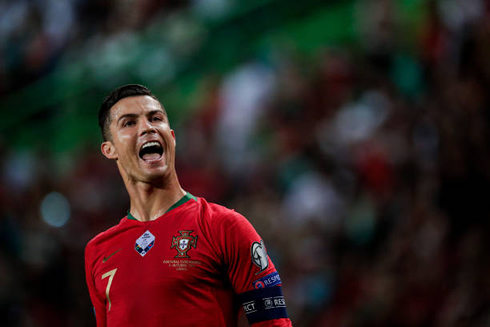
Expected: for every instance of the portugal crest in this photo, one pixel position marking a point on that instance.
(183, 243)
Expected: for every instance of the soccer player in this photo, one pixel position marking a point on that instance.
(175, 259)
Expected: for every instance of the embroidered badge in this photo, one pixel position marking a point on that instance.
(259, 255)
(144, 243)
(183, 243)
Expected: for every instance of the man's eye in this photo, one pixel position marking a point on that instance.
(156, 118)
(128, 123)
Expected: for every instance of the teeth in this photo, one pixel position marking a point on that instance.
(150, 144)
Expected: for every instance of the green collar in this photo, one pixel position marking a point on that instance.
(183, 200)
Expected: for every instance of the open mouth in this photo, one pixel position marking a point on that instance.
(151, 151)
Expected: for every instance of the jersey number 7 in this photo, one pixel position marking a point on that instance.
(109, 274)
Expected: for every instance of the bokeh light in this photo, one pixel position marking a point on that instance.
(55, 209)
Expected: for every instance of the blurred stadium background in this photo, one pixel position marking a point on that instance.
(351, 133)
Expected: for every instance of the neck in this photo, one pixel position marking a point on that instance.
(150, 201)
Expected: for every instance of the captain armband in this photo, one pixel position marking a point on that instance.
(263, 304)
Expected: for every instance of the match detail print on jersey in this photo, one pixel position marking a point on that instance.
(144, 243)
(183, 243)
(259, 255)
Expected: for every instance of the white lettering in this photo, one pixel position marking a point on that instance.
(272, 280)
(249, 307)
(279, 301)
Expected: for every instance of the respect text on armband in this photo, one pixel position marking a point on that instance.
(270, 280)
(264, 304)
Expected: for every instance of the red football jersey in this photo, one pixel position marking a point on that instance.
(194, 266)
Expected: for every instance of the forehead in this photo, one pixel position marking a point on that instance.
(135, 105)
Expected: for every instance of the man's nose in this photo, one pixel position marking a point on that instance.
(146, 127)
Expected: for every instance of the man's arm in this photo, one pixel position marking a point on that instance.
(252, 274)
(97, 301)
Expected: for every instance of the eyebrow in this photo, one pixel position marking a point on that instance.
(127, 116)
(156, 112)
(150, 113)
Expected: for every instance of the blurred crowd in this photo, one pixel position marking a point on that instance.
(35, 34)
(365, 169)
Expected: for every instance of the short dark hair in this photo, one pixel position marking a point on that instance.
(113, 97)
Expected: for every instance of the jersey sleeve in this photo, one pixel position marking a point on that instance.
(251, 272)
(98, 302)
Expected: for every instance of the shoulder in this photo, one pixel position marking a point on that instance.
(102, 238)
(222, 220)
(225, 228)
(218, 214)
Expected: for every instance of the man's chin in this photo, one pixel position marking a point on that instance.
(159, 174)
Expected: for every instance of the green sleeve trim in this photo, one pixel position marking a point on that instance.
(183, 200)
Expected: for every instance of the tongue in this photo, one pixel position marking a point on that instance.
(151, 156)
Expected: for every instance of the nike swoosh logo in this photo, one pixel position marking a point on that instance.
(110, 255)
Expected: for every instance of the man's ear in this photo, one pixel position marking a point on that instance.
(108, 150)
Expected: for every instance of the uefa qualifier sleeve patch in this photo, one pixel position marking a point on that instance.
(259, 256)
(263, 304)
